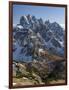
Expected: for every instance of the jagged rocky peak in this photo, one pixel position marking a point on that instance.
(23, 20)
(56, 24)
(33, 18)
(40, 21)
(29, 17)
(47, 22)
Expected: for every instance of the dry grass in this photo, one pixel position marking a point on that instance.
(52, 56)
(57, 82)
(23, 81)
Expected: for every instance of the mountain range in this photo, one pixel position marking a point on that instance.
(32, 35)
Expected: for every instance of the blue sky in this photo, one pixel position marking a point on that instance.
(45, 12)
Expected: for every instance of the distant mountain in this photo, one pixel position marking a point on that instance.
(32, 35)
